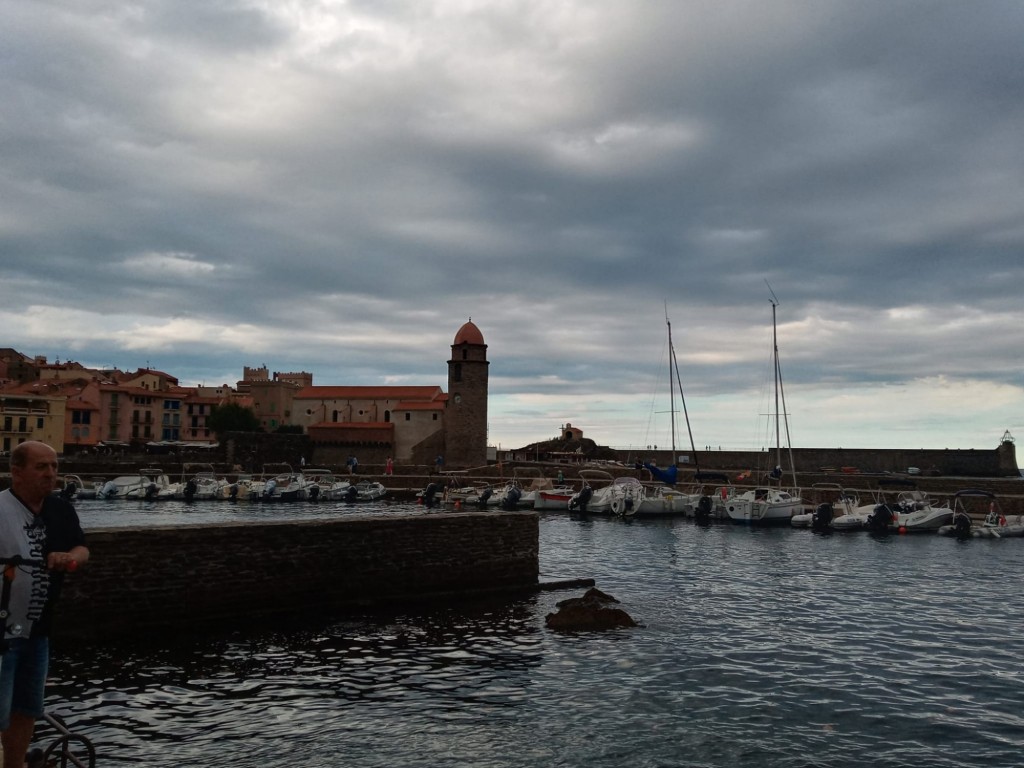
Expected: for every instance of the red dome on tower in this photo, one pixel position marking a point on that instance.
(469, 334)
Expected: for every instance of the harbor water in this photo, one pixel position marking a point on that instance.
(756, 647)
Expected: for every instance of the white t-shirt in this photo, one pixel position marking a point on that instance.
(22, 533)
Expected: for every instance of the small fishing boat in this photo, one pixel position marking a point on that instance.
(556, 498)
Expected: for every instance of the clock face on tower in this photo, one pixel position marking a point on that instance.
(458, 399)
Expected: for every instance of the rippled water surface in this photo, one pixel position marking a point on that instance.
(756, 648)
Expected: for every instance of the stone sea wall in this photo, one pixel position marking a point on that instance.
(191, 578)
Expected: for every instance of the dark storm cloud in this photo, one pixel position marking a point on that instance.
(336, 188)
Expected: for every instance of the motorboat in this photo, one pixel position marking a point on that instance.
(370, 490)
(156, 486)
(324, 485)
(530, 481)
(121, 486)
(73, 487)
(834, 503)
(995, 524)
(258, 486)
(199, 482)
(622, 498)
(915, 512)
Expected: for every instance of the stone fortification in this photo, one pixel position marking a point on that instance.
(152, 581)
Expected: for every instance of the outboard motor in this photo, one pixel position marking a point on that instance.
(484, 497)
(580, 500)
(268, 489)
(151, 491)
(314, 493)
(190, 489)
(821, 520)
(233, 492)
(702, 514)
(108, 490)
(511, 500)
(962, 525)
(428, 495)
(351, 494)
(69, 490)
(880, 519)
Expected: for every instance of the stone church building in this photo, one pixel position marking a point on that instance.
(412, 424)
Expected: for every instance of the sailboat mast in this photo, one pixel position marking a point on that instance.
(775, 357)
(673, 367)
(671, 385)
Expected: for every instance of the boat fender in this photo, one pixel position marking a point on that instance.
(725, 494)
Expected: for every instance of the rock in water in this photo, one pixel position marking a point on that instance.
(593, 611)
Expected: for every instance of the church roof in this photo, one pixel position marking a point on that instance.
(321, 392)
(469, 334)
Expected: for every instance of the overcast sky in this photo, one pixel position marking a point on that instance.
(336, 187)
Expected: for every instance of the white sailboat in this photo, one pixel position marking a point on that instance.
(770, 504)
(667, 499)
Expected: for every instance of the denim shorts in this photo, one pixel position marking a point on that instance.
(23, 678)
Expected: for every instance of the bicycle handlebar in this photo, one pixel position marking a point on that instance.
(18, 560)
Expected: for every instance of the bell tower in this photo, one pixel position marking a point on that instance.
(466, 413)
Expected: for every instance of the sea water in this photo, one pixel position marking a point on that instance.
(755, 647)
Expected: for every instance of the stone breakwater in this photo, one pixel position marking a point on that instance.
(159, 580)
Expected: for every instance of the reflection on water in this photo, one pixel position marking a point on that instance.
(756, 648)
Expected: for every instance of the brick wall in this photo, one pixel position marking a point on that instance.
(182, 578)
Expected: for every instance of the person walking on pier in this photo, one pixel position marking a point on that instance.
(35, 524)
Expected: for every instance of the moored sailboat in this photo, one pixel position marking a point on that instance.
(770, 504)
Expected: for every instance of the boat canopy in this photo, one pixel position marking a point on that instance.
(667, 475)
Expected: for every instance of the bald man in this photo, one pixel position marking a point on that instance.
(35, 524)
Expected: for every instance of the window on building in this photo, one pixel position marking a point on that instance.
(408, 416)
(465, 354)
(387, 416)
(457, 373)
(40, 421)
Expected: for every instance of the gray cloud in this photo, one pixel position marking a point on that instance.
(336, 188)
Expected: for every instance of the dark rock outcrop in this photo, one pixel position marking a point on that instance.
(591, 612)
